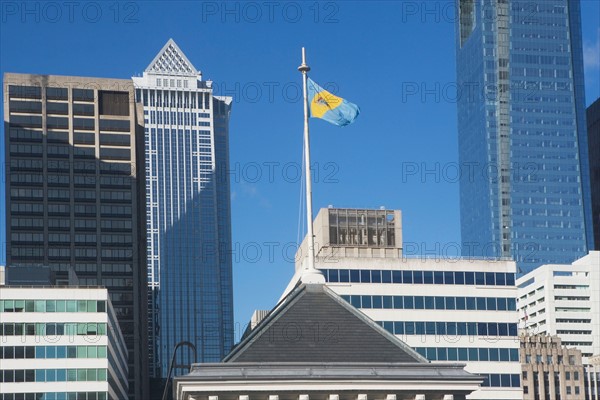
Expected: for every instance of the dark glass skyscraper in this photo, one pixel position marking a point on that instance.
(593, 120)
(75, 192)
(189, 219)
(522, 131)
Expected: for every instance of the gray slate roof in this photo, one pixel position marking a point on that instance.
(314, 325)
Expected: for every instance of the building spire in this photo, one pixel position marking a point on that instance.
(170, 60)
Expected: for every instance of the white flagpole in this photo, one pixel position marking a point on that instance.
(310, 273)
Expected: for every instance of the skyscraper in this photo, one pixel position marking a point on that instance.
(522, 130)
(74, 186)
(593, 120)
(189, 219)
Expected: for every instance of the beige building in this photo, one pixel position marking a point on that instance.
(350, 232)
(550, 370)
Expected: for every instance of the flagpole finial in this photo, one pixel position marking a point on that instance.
(304, 68)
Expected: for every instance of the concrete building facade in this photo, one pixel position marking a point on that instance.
(60, 343)
(592, 375)
(564, 301)
(448, 310)
(75, 192)
(551, 370)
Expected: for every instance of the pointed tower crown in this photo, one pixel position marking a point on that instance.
(170, 60)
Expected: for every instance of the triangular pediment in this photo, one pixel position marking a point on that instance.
(171, 61)
(313, 324)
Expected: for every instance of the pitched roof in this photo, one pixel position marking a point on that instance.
(170, 60)
(313, 324)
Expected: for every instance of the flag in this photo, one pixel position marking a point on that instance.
(329, 107)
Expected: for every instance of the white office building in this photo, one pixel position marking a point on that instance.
(564, 300)
(60, 343)
(448, 310)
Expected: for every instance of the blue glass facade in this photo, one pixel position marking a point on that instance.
(522, 135)
(189, 219)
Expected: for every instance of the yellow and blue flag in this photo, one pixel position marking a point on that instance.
(329, 107)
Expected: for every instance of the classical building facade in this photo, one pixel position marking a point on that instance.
(314, 345)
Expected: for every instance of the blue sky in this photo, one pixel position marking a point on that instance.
(370, 53)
